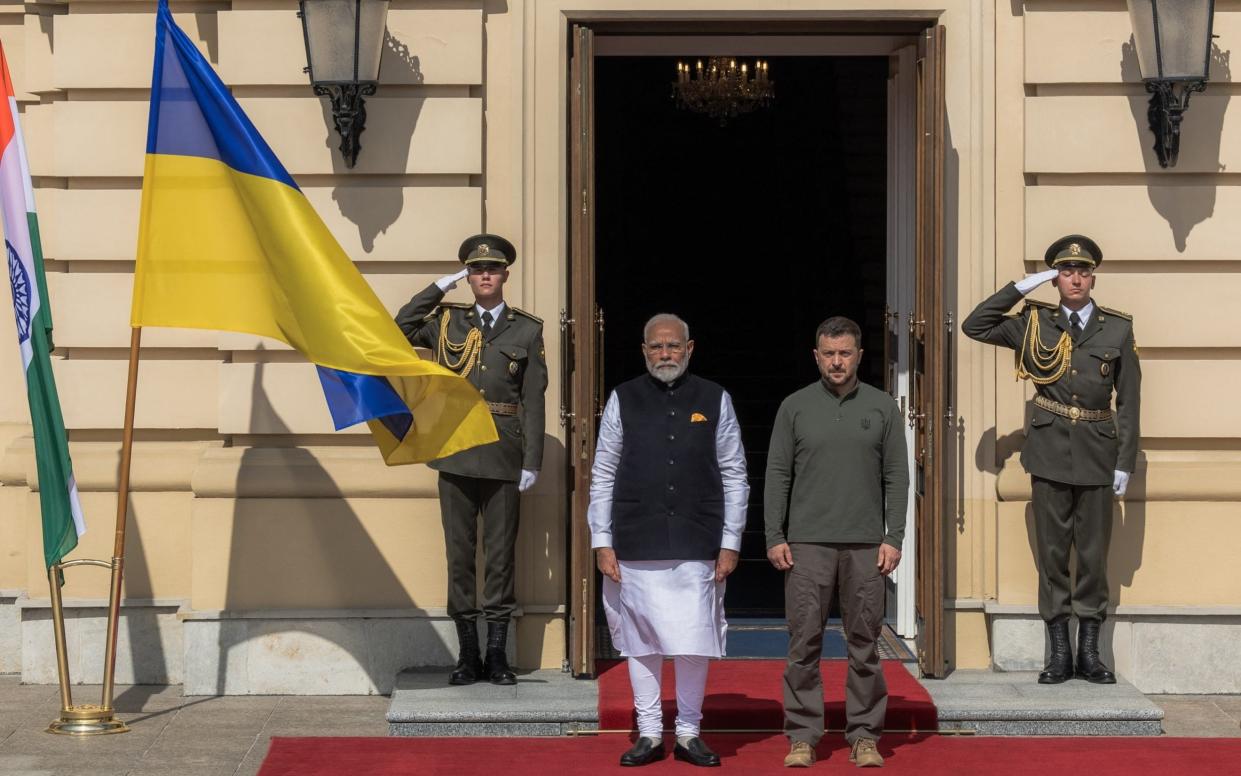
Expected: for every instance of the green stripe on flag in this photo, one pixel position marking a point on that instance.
(51, 447)
(45, 299)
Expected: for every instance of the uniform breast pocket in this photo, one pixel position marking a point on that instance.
(516, 360)
(1103, 364)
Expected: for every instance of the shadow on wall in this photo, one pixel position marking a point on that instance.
(993, 451)
(338, 564)
(1128, 533)
(375, 206)
(152, 670)
(1182, 207)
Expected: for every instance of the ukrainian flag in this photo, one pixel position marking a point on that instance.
(227, 241)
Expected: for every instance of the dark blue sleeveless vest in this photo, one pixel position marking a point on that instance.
(668, 498)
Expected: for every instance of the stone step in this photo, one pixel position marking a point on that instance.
(542, 703)
(552, 703)
(1015, 704)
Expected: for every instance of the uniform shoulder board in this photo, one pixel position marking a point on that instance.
(1040, 303)
(1117, 313)
(520, 311)
(443, 305)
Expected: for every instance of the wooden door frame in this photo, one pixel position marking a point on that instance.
(582, 330)
(930, 339)
(581, 354)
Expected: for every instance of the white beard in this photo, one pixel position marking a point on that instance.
(668, 373)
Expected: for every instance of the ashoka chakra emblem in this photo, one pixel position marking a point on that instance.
(21, 293)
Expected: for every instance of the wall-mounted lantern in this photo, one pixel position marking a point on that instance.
(1173, 41)
(344, 41)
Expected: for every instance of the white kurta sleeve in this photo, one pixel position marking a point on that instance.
(603, 474)
(731, 456)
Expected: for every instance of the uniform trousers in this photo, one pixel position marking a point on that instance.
(462, 500)
(645, 673)
(818, 569)
(1066, 517)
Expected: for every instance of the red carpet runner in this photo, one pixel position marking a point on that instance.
(746, 695)
(746, 754)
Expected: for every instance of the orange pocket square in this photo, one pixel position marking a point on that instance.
(697, 417)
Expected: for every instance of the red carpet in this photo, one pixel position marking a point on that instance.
(925, 756)
(747, 695)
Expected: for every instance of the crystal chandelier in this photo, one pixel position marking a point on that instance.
(721, 89)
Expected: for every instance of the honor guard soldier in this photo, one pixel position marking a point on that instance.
(1079, 450)
(499, 349)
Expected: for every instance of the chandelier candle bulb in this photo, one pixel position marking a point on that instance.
(722, 90)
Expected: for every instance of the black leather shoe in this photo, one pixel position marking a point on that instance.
(1060, 661)
(643, 752)
(469, 664)
(696, 753)
(1089, 666)
(495, 667)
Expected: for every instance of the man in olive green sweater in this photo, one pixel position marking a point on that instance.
(836, 491)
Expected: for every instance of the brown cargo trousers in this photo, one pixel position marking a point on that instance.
(817, 570)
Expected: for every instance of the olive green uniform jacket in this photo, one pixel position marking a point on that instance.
(512, 369)
(1104, 362)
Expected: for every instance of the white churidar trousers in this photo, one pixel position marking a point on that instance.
(691, 679)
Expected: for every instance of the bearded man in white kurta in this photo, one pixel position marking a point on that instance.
(668, 499)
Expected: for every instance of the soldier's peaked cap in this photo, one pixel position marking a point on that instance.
(487, 249)
(1073, 250)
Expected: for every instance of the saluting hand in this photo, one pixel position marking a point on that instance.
(449, 282)
(1031, 282)
(780, 556)
(605, 558)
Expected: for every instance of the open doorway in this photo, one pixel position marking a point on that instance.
(754, 232)
(830, 202)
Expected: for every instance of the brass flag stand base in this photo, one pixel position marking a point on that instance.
(99, 719)
(87, 720)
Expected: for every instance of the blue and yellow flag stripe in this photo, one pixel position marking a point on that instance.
(228, 241)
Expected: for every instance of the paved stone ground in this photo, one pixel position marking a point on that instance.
(170, 734)
(1207, 716)
(180, 736)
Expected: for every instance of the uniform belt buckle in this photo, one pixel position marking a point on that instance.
(1075, 413)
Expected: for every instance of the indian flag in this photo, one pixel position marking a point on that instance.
(58, 493)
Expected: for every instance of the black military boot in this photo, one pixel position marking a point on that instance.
(469, 665)
(1060, 662)
(495, 668)
(1089, 666)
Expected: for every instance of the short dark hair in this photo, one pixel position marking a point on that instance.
(838, 326)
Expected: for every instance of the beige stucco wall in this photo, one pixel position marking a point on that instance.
(245, 498)
(1075, 156)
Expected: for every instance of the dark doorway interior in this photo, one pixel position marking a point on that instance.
(754, 233)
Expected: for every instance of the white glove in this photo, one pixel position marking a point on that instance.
(1120, 482)
(449, 282)
(528, 478)
(1031, 282)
